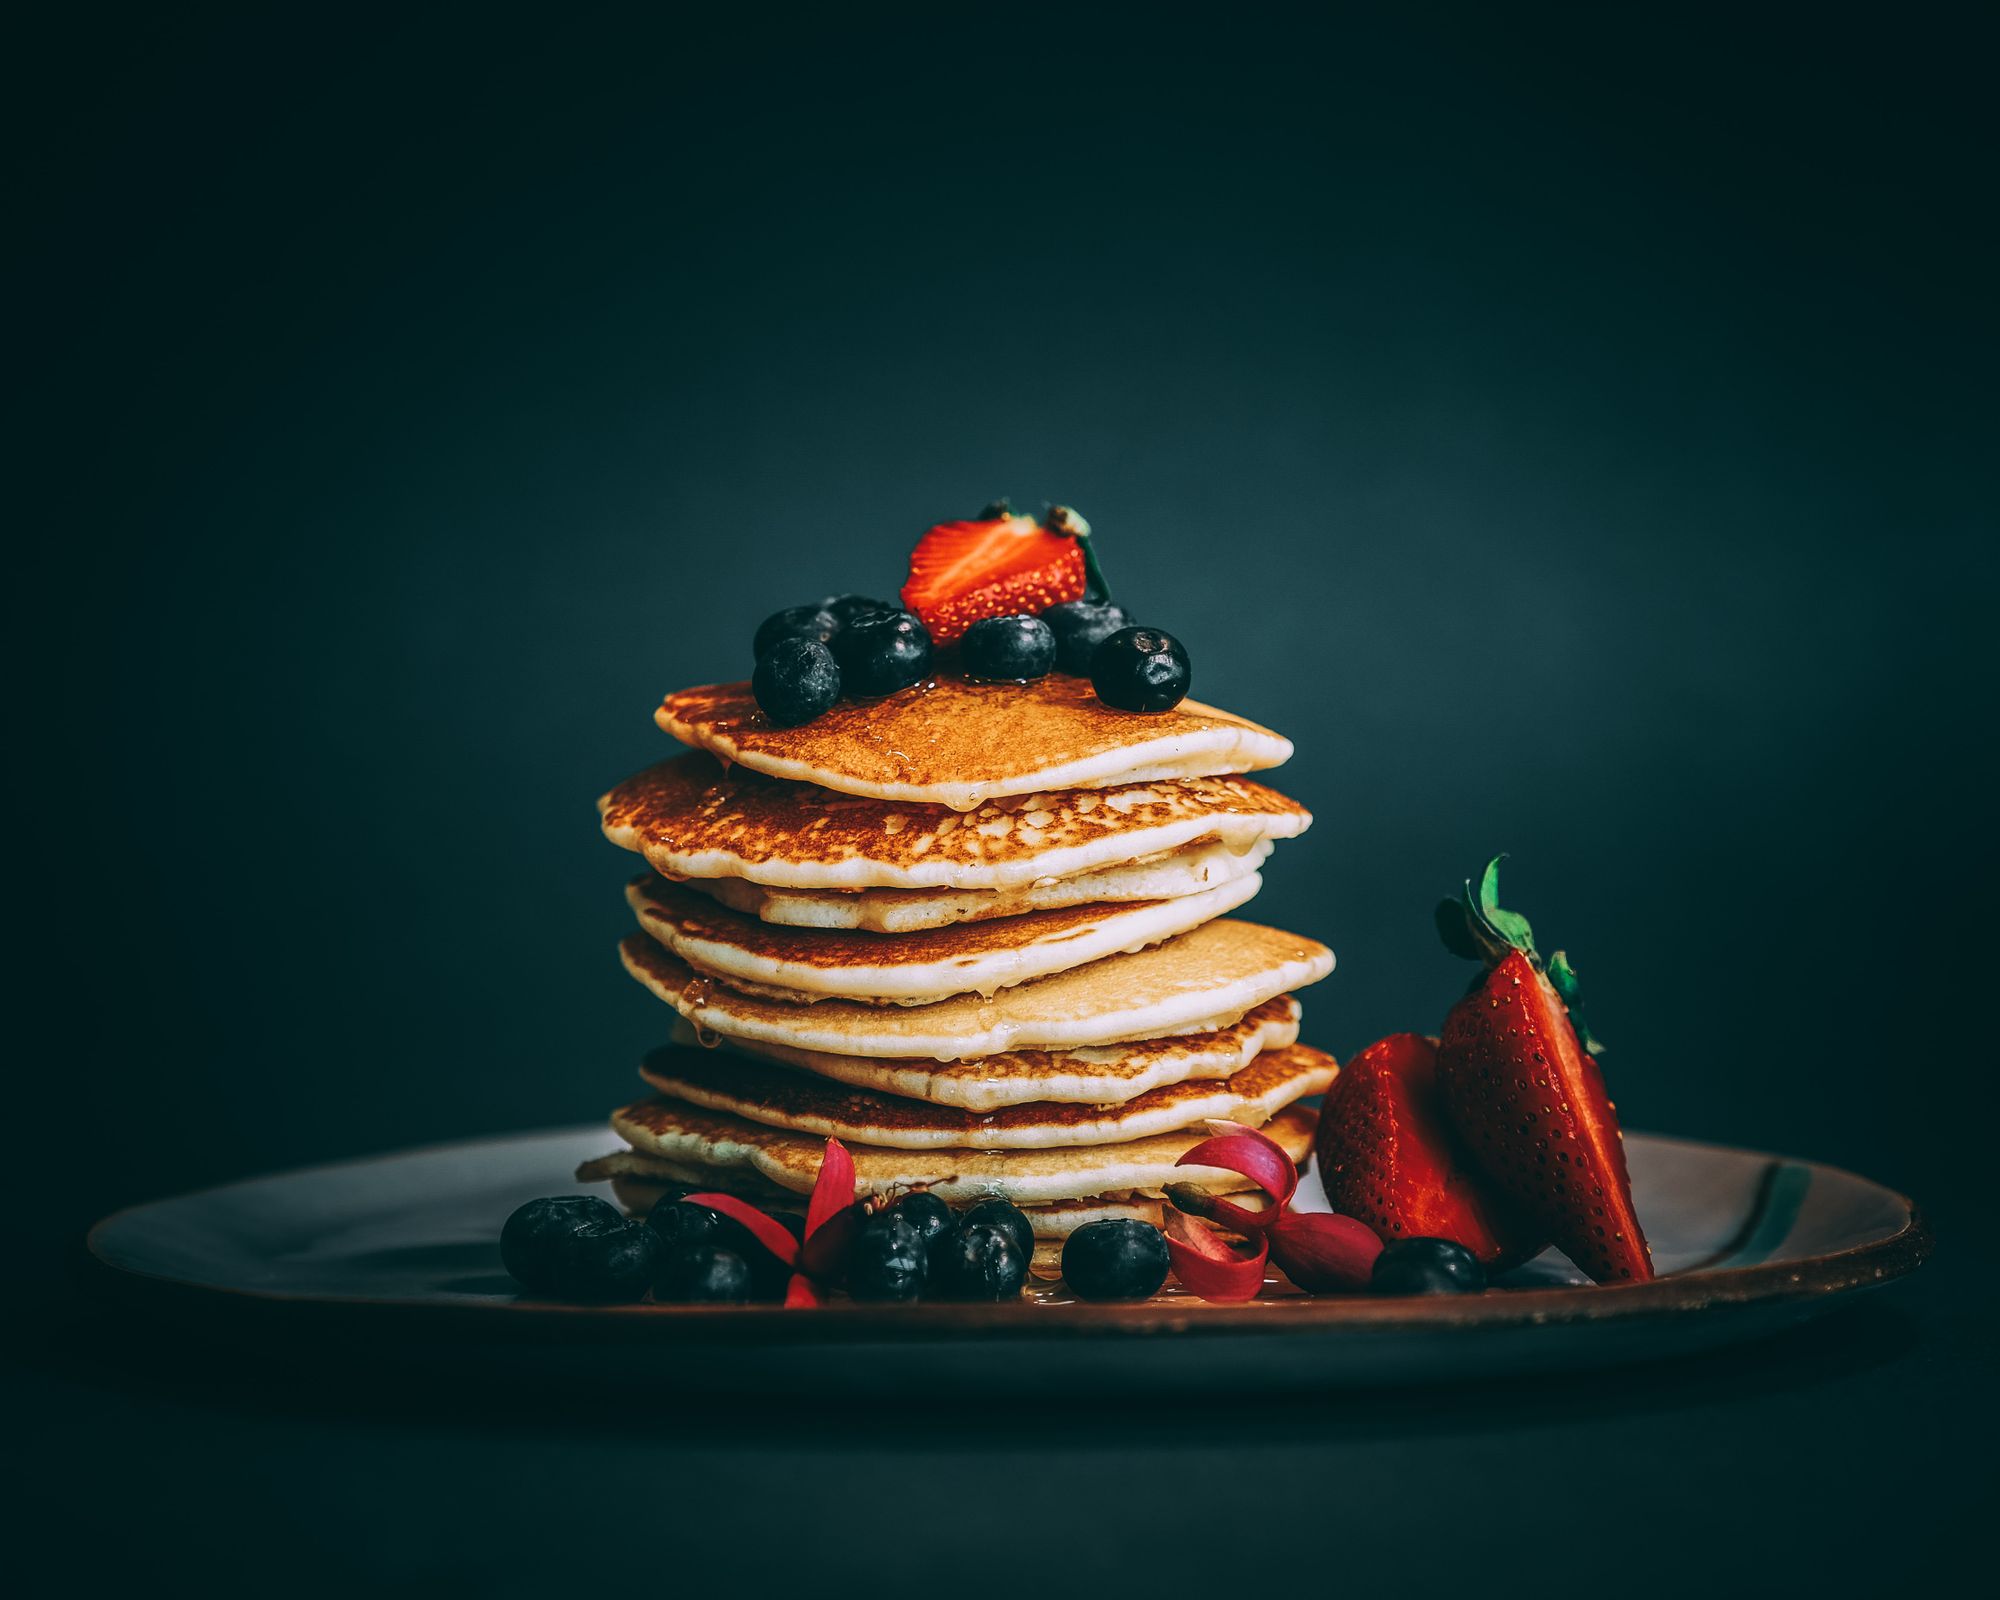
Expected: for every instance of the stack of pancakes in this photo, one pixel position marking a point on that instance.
(977, 932)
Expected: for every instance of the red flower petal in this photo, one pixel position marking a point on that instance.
(824, 1256)
(1322, 1253)
(833, 1189)
(1262, 1160)
(1208, 1265)
(773, 1235)
(802, 1292)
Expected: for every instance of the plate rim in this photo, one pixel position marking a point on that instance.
(1807, 1280)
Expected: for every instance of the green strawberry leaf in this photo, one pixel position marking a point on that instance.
(1509, 925)
(1476, 927)
(1563, 976)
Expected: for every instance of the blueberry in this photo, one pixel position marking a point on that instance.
(794, 622)
(888, 1261)
(795, 681)
(1009, 1218)
(883, 653)
(681, 1224)
(1427, 1266)
(846, 608)
(698, 1274)
(1080, 626)
(1140, 669)
(617, 1264)
(1120, 1259)
(1008, 647)
(933, 1218)
(979, 1261)
(535, 1233)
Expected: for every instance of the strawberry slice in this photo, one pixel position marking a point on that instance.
(1519, 1083)
(1388, 1157)
(997, 565)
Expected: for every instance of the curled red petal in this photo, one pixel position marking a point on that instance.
(1252, 1155)
(773, 1235)
(824, 1255)
(1322, 1253)
(1208, 1265)
(833, 1189)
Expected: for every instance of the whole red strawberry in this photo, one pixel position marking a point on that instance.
(1388, 1157)
(1521, 1088)
(997, 565)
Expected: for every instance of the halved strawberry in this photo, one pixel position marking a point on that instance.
(1388, 1157)
(1521, 1089)
(994, 566)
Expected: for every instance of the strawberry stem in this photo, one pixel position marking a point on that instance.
(1476, 928)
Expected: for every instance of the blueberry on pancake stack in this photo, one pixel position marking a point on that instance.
(979, 932)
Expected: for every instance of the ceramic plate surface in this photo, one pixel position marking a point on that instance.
(399, 1256)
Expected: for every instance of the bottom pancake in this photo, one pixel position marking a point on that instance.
(640, 1183)
(727, 1149)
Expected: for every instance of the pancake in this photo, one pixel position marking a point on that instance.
(727, 1146)
(799, 1103)
(1205, 979)
(949, 741)
(693, 818)
(642, 1182)
(1166, 876)
(911, 969)
(1100, 1076)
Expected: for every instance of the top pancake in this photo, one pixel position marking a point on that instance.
(952, 742)
(695, 818)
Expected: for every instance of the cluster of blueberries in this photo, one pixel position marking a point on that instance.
(809, 656)
(578, 1247)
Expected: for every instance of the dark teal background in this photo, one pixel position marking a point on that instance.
(1574, 429)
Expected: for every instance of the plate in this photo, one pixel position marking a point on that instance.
(397, 1256)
